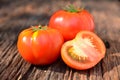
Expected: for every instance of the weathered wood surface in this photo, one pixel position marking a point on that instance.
(17, 15)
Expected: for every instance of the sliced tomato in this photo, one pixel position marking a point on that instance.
(84, 51)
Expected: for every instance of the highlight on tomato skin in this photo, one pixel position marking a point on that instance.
(40, 45)
(84, 51)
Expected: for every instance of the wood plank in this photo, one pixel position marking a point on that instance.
(18, 15)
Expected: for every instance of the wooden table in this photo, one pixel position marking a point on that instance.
(18, 15)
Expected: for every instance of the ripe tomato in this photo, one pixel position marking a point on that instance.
(84, 51)
(40, 45)
(70, 22)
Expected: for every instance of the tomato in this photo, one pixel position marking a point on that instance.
(84, 51)
(40, 45)
(70, 22)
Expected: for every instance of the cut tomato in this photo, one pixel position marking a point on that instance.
(84, 51)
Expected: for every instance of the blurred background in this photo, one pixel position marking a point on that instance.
(16, 15)
(32, 12)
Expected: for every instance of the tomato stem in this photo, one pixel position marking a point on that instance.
(34, 28)
(71, 8)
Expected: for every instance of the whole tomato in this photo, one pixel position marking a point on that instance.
(70, 21)
(84, 51)
(40, 45)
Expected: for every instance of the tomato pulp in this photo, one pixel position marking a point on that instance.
(84, 51)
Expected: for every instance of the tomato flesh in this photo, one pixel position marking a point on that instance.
(83, 52)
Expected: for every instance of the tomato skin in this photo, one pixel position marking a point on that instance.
(70, 23)
(41, 47)
(94, 54)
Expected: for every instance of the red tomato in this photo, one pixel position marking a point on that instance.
(40, 45)
(84, 51)
(69, 23)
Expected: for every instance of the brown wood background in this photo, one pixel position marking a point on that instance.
(16, 15)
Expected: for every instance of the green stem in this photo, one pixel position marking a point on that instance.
(38, 28)
(71, 8)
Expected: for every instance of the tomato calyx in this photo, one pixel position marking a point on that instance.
(72, 9)
(37, 28)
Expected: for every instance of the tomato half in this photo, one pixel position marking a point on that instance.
(40, 45)
(69, 23)
(84, 51)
